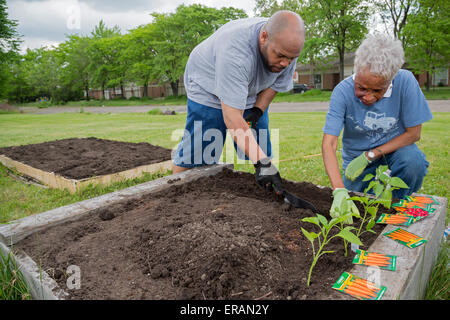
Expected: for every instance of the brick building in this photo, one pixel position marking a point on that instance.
(326, 77)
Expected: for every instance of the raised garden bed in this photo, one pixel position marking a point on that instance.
(76, 162)
(173, 238)
(218, 237)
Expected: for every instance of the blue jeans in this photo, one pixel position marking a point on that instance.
(408, 163)
(205, 134)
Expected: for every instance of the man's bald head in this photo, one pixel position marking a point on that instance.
(281, 39)
(285, 22)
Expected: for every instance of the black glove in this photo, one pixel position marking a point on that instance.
(267, 175)
(253, 116)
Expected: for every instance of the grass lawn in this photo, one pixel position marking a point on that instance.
(311, 95)
(300, 135)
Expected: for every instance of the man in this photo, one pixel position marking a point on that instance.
(230, 80)
(381, 109)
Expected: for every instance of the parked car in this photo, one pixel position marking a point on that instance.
(300, 88)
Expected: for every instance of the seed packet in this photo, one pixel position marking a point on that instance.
(405, 238)
(399, 219)
(358, 287)
(422, 199)
(416, 213)
(412, 204)
(374, 259)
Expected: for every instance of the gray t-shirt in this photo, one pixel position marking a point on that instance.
(228, 67)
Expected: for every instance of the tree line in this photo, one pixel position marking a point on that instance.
(334, 28)
(106, 58)
(158, 51)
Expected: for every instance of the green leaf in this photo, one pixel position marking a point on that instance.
(373, 211)
(313, 220)
(310, 235)
(334, 221)
(350, 237)
(360, 199)
(322, 219)
(370, 186)
(384, 178)
(381, 169)
(368, 177)
(370, 224)
(386, 198)
(397, 182)
(378, 189)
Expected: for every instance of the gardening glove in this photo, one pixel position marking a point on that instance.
(341, 205)
(356, 166)
(267, 175)
(253, 116)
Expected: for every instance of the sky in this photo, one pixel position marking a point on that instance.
(47, 22)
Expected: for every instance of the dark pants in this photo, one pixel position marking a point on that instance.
(205, 134)
(407, 163)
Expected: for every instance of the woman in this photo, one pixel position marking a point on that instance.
(381, 109)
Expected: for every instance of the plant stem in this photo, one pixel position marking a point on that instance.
(317, 255)
(345, 241)
(362, 223)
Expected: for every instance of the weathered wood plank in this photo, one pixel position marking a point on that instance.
(73, 185)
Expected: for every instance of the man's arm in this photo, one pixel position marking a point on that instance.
(329, 147)
(264, 98)
(239, 128)
(241, 133)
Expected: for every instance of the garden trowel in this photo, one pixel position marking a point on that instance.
(294, 200)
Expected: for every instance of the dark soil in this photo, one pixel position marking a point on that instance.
(221, 237)
(79, 158)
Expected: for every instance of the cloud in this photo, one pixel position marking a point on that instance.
(44, 22)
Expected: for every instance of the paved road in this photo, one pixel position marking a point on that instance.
(435, 106)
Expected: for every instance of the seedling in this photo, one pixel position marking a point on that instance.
(323, 237)
(382, 185)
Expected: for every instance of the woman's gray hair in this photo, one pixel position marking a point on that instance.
(382, 54)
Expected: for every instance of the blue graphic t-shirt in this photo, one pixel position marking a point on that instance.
(366, 127)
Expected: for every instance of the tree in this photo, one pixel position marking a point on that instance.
(140, 55)
(100, 57)
(428, 38)
(395, 12)
(266, 8)
(116, 67)
(9, 44)
(102, 31)
(177, 34)
(74, 58)
(343, 25)
(332, 27)
(19, 88)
